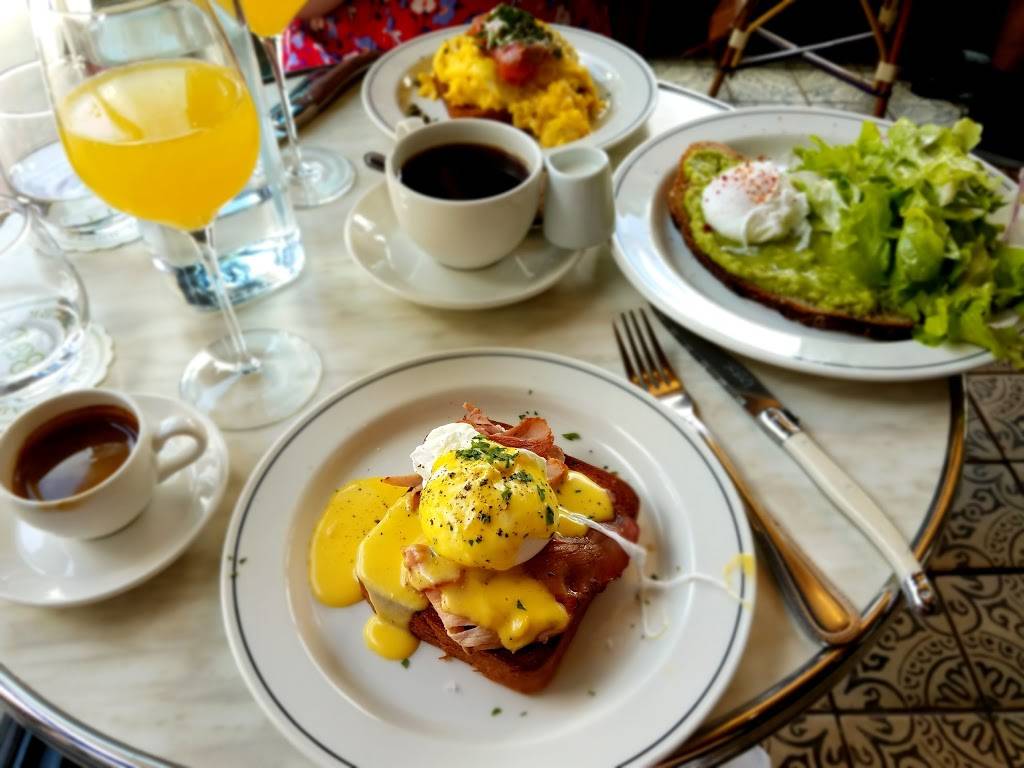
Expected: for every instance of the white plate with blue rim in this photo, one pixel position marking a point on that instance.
(652, 254)
(308, 668)
(622, 77)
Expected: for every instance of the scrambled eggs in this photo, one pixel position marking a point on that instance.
(557, 104)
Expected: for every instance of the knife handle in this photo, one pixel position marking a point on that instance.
(821, 606)
(843, 491)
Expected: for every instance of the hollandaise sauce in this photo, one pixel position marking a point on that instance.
(351, 513)
(516, 607)
(579, 494)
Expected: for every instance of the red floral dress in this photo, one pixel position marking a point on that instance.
(356, 26)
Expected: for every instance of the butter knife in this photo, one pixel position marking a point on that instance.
(842, 490)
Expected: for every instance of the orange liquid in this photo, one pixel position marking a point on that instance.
(169, 140)
(267, 18)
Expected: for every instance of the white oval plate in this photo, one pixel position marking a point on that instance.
(378, 245)
(38, 568)
(652, 254)
(622, 78)
(617, 698)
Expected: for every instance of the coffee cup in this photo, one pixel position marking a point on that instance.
(474, 232)
(84, 464)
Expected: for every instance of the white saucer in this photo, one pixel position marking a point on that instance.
(379, 246)
(38, 568)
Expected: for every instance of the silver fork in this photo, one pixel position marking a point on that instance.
(821, 606)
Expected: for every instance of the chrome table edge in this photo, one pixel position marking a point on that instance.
(68, 735)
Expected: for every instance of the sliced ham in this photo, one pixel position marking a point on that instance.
(404, 481)
(531, 434)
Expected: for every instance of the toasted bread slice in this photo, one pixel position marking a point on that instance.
(877, 326)
(531, 668)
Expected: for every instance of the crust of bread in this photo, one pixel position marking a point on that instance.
(885, 327)
(464, 110)
(529, 669)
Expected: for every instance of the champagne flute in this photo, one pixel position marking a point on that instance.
(315, 175)
(157, 121)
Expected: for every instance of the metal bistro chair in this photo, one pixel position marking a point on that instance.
(888, 27)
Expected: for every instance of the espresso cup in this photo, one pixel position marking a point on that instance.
(469, 234)
(115, 501)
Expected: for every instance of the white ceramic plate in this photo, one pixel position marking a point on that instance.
(622, 78)
(387, 255)
(617, 698)
(38, 568)
(653, 256)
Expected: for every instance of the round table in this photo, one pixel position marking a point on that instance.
(146, 678)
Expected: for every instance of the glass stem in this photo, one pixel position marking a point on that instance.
(243, 360)
(275, 54)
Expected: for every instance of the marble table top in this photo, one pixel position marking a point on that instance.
(152, 667)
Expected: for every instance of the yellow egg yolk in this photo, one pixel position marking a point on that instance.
(578, 493)
(515, 606)
(352, 511)
(483, 506)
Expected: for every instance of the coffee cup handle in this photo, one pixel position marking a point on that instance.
(404, 127)
(174, 427)
(579, 210)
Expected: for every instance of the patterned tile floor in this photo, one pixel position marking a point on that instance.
(947, 691)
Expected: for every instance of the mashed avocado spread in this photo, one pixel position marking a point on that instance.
(816, 275)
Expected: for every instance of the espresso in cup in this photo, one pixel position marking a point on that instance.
(73, 452)
(85, 464)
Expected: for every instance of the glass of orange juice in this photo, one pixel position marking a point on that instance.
(157, 121)
(316, 175)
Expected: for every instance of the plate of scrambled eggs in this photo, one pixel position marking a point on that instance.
(559, 84)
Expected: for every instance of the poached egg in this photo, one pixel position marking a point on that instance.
(755, 202)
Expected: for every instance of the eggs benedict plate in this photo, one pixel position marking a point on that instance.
(560, 84)
(490, 604)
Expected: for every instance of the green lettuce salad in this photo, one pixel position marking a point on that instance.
(910, 213)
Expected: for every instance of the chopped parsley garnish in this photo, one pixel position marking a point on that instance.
(571, 435)
(482, 448)
(520, 606)
(405, 663)
(506, 24)
(541, 492)
(522, 476)
(506, 495)
(496, 711)
(549, 516)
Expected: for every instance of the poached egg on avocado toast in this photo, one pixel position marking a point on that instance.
(887, 237)
(481, 536)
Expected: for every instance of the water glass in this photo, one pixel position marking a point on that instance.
(38, 172)
(43, 308)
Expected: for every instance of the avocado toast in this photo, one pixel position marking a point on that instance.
(770, 277)
(887, 237)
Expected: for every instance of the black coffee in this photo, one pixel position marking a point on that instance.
(462, 171)
(73, 452)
